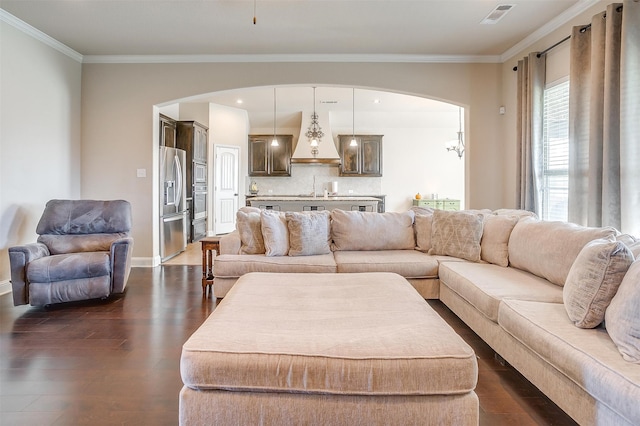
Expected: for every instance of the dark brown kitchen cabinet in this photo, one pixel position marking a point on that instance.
(267, 160)
(364, 159)
(167, 131)
(192, 137)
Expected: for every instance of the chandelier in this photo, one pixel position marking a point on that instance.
(353, 142)
(314, 132)
(274, 141)
(457, 146)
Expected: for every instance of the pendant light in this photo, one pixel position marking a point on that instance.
(457, 145)
(314, 132)
(274, 141)
(353, 142)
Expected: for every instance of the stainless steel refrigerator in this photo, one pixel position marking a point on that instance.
(173, 202)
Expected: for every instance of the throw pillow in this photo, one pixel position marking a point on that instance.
(309, 233)
(457, 234)
(622, 317)
(355, 230)
(249, 228)
(274, 232)
(594, 279)
(626, 238)
(423, 223)
(422, 210)
(495, 239)
(632, 242)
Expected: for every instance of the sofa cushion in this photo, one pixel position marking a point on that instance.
(274, 232)
(309, 233)
(457, 234)
(622, 317)
(515, 212)
(548, 249)
(407, 263)
(494, 246)
(484, 285)
(236, 265)
(594, 279)
(74, 243)
(230, 243)
(355, 230)
(250, 230)
(67, 267)
(586, 356)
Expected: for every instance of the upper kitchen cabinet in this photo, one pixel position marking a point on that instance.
(192, 137)
(267, 160)
(167, 131)
(364, 159)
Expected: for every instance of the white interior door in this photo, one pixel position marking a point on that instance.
(225, 190)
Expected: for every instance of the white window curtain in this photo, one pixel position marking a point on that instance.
(604, 132)
(531, 81)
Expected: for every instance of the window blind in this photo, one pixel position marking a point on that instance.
(555, 159)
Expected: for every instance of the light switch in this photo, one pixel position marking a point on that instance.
(141, 173)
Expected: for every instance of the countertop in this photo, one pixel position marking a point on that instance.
(310, 198)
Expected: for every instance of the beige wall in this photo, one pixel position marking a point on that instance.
(40, 130)
(118, 125)
(39, 135)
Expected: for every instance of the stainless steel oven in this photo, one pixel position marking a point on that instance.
(199, 202)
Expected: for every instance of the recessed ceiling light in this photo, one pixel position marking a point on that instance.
(239, 101)
(497, 14)
(376, 101)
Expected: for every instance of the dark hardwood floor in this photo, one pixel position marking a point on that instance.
(117, 362)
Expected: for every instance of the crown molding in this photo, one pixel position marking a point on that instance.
(543, 31)
(548, 28)
(39, 35)
(364, 58)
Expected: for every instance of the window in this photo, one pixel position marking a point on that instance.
(555, 162)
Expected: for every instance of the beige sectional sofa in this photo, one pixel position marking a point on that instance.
(537, 292)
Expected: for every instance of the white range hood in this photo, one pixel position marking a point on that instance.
(327, 151)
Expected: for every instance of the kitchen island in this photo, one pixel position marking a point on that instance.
(298, 203)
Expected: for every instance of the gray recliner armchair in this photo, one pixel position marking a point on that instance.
(83, 252)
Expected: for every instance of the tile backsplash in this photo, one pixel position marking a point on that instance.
(302, 177)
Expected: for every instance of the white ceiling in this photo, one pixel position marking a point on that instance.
(289, 30)
(398, 110)
(289, 27)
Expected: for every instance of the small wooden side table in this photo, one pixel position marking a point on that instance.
(209, 245)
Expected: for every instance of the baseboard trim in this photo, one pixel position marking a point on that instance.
(145, 262)
(5, 287)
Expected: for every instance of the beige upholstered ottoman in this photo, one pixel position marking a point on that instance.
(326, 349)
